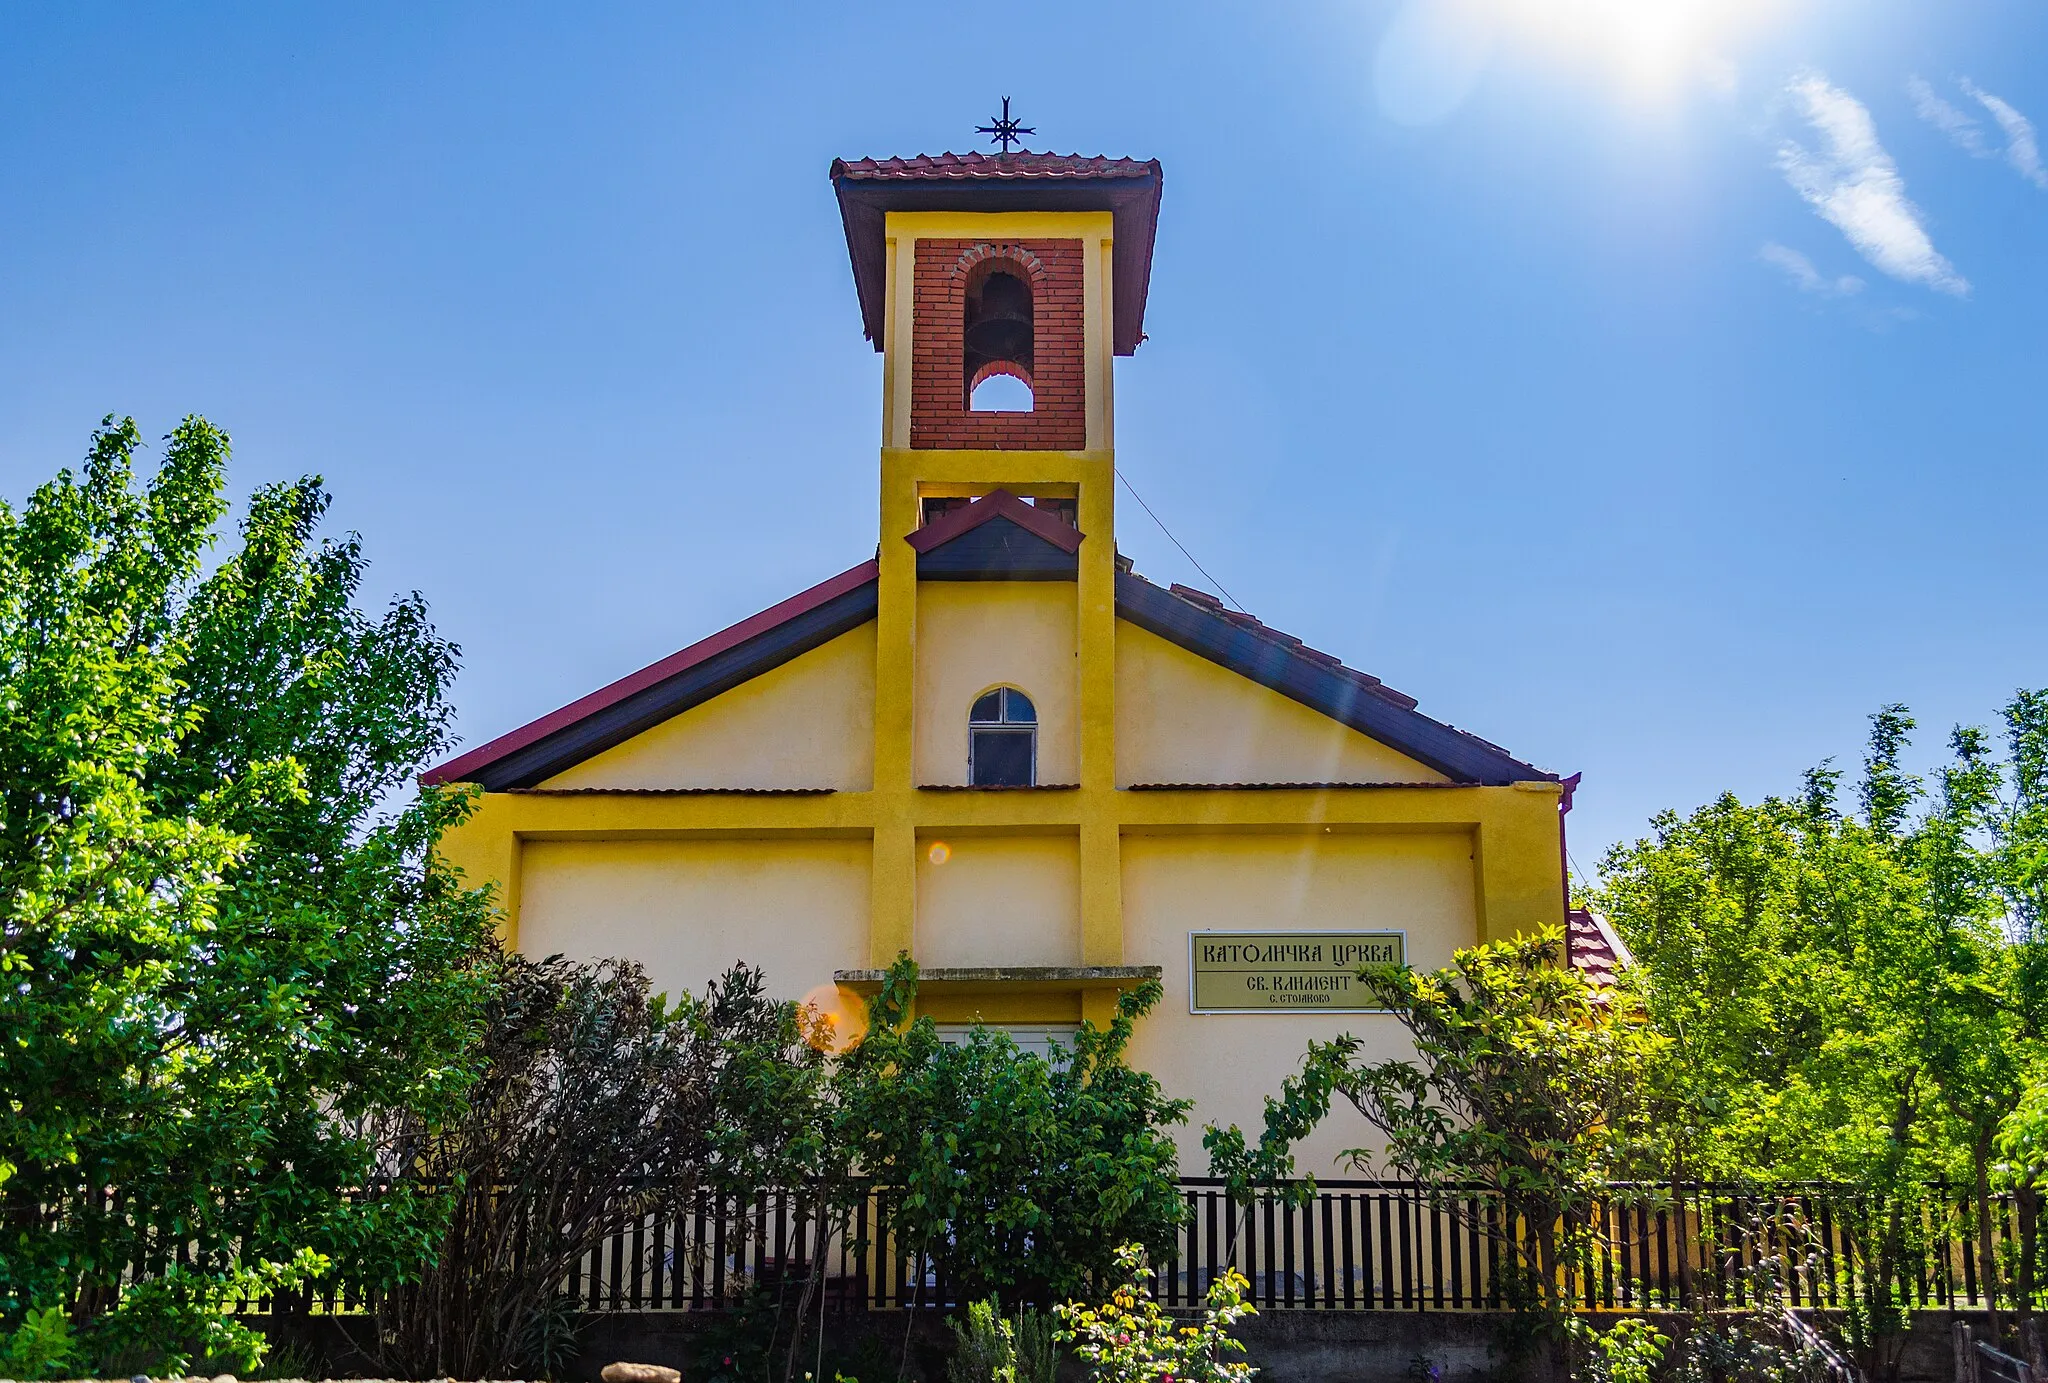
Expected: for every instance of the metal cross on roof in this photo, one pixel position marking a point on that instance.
(1005, 130)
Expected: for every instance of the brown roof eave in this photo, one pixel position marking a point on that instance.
(1130, 194)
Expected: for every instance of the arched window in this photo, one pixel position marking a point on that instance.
(1002, 740)
(997, 336)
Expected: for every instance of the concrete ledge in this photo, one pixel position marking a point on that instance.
(1010, 979)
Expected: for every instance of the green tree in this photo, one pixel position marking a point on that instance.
(224, 957)
(1851, 996)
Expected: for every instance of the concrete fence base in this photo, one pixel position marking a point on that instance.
(1287, 1346)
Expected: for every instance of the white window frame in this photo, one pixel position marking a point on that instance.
(1006, 727)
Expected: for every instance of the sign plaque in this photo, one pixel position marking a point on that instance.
(1286, 972)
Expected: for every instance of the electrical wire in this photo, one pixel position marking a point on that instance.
(1177, 543)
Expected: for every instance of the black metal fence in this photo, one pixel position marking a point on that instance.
(1352, 1246)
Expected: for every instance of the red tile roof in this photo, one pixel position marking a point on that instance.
(993, 166)
(1594, 949)
(870, 188)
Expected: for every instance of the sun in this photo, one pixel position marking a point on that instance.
(1648, 45)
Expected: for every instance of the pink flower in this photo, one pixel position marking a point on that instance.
(1123, 1339)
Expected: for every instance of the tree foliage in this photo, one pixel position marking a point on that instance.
(600, 1104)
(1854, 996)
(1020, 1176)
(220, 956)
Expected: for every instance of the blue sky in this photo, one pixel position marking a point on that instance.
(1655, 401)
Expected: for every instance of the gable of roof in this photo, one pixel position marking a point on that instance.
(870, 188)
(1199, 623)
(612, 715)
(1191, 619)
(997, 538)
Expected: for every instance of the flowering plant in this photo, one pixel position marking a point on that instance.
(1130, 1339)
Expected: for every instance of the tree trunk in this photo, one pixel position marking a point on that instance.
(2028, 1202)
(1685, 1237)
(1987, 1254)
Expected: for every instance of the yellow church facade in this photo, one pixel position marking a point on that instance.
(997, 748)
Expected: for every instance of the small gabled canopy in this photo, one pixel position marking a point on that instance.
(997, 538)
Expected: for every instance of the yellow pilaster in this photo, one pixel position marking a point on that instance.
(486, 851)
(1515, 856)
(893, 897)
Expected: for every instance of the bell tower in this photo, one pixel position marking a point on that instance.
(1029, 269)
(1033, 266)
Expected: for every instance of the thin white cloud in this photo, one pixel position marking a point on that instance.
(2021, 151)
(1853, 185)
(1954, 123)
(1804, 276)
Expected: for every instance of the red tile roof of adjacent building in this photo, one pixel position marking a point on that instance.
(1594, 948)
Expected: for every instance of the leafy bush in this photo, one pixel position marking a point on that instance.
(984, 1349)
(1629, 1352)
(1526, 1081)
(166, 1324)
(1018, 1176)
(41, 1346)
(1038, 1346)
(599, 1104)
(1130, 1339)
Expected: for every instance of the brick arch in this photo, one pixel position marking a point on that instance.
(975, 255)
(999, 367)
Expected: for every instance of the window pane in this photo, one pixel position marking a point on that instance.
(1039, 1039)
(1017, 708)
(988, 710)
(1002, 758)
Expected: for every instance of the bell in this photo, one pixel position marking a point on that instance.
(999, 325)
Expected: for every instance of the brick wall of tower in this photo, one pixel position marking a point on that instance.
(939, 416)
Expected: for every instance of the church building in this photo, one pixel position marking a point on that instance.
(994, 745)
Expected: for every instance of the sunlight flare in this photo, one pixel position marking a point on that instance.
(1649, 45)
